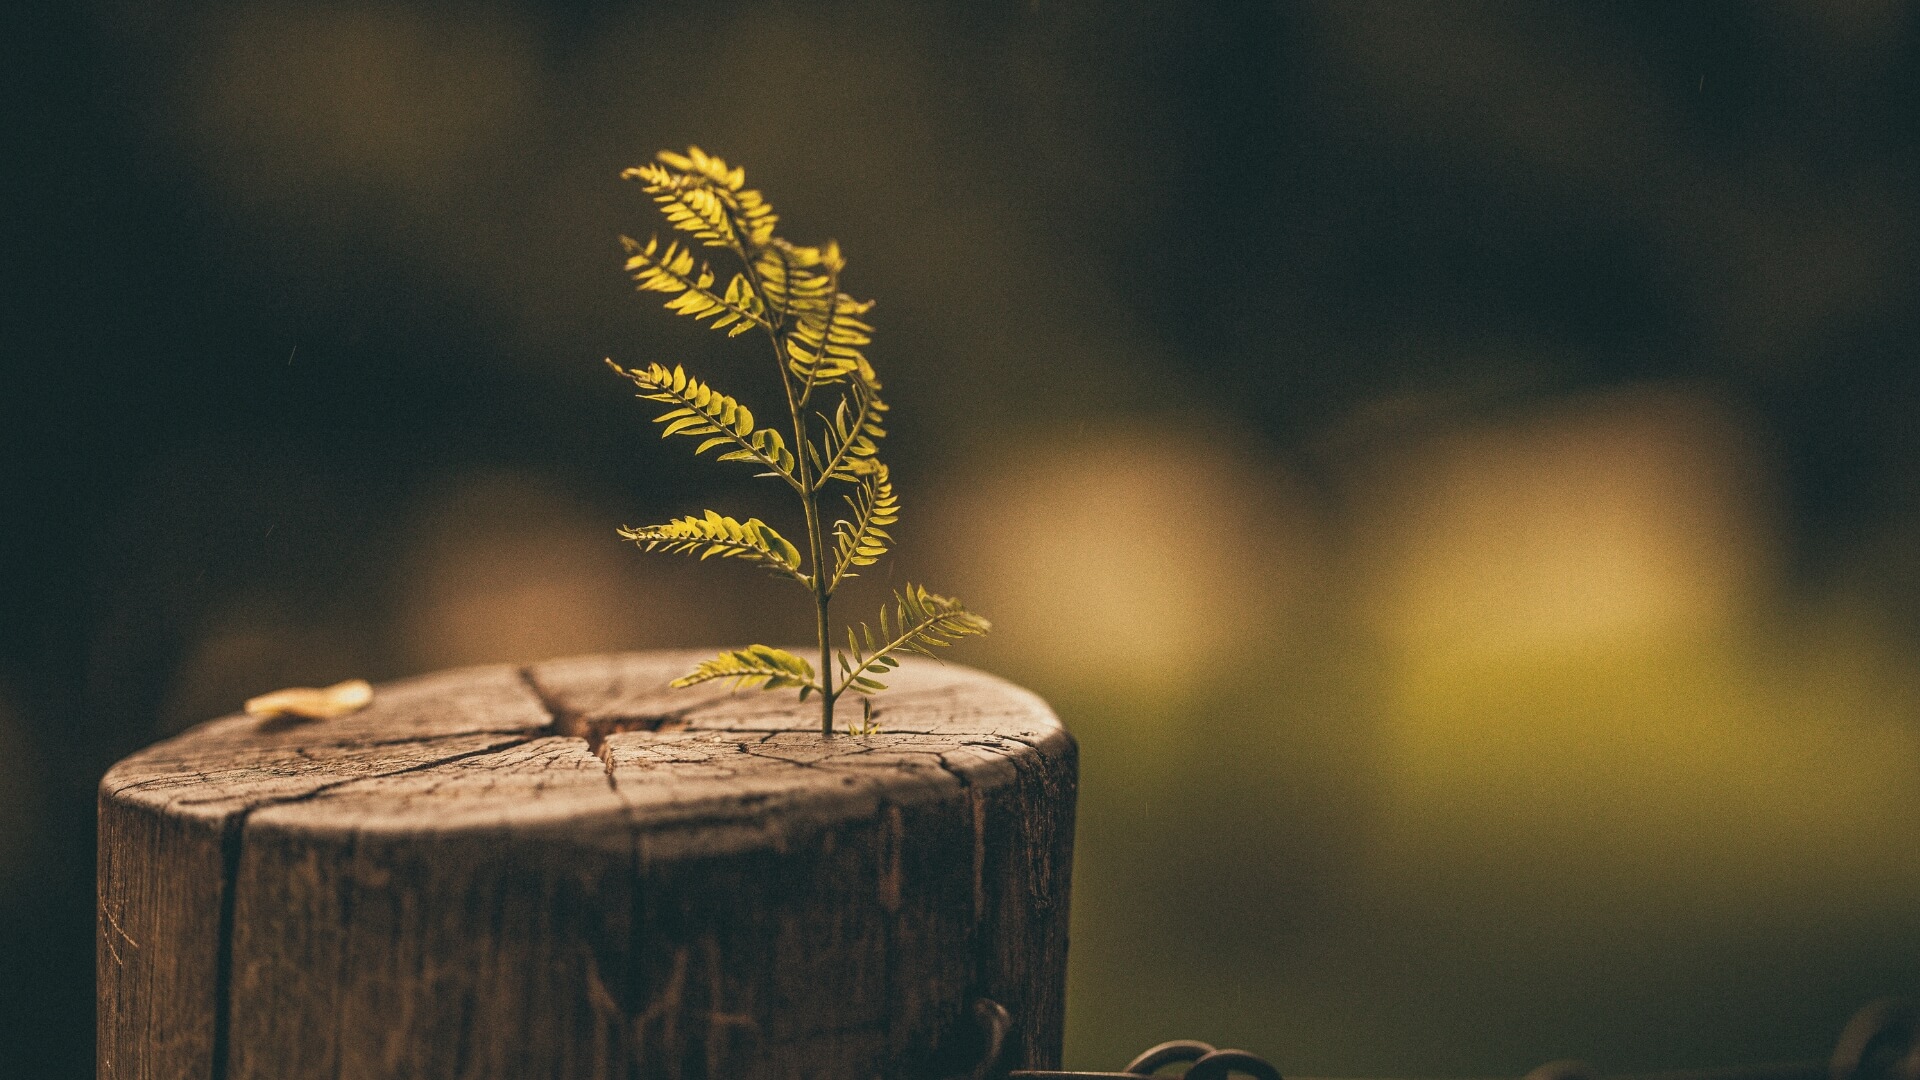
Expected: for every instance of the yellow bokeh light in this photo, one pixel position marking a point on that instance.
(1140, 561)
(1581, 698)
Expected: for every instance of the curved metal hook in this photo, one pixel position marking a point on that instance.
(1155, 1058)
(994, 1023)
(1881, 1042)
(1221, 1064)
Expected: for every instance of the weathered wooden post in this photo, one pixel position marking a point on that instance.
(569, 871)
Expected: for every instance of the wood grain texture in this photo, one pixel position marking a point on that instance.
(569, 870)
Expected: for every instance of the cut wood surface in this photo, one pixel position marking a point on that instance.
(570, 870)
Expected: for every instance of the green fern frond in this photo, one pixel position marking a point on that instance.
(711, 167)
(737, 310)
(756, 665)
(851, 439)
(700, 194)
(796, 278)
(862, 540)
(691, 207)
(716, 534)
(702, 410)
(824, 332)
(819, 336)
(921, 621)
(825, 340)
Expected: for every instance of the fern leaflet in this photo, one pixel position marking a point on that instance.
(861, 541)
(716, 534)
(796, 278)
(922, 621)
(737, 310)
(852, 440)
(756, 665)
(702, 410)
(824, 342)
(698, 193)
(690, 207)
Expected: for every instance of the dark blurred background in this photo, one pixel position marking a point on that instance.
(1453, 465)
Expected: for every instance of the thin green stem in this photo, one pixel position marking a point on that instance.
(816, 548)
(809, 498)
(822, 594)
(826, 669)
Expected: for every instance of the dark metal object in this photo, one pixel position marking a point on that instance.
(1880, 1042)
(1207, 1063)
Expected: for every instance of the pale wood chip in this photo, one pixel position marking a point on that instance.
(314, 703)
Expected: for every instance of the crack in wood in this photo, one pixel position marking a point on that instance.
(578, 724)
(232, 844)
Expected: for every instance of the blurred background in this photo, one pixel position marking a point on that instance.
(1454, 466)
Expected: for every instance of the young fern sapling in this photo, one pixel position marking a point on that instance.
(792, 295)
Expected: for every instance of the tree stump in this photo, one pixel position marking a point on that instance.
(571, 871)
